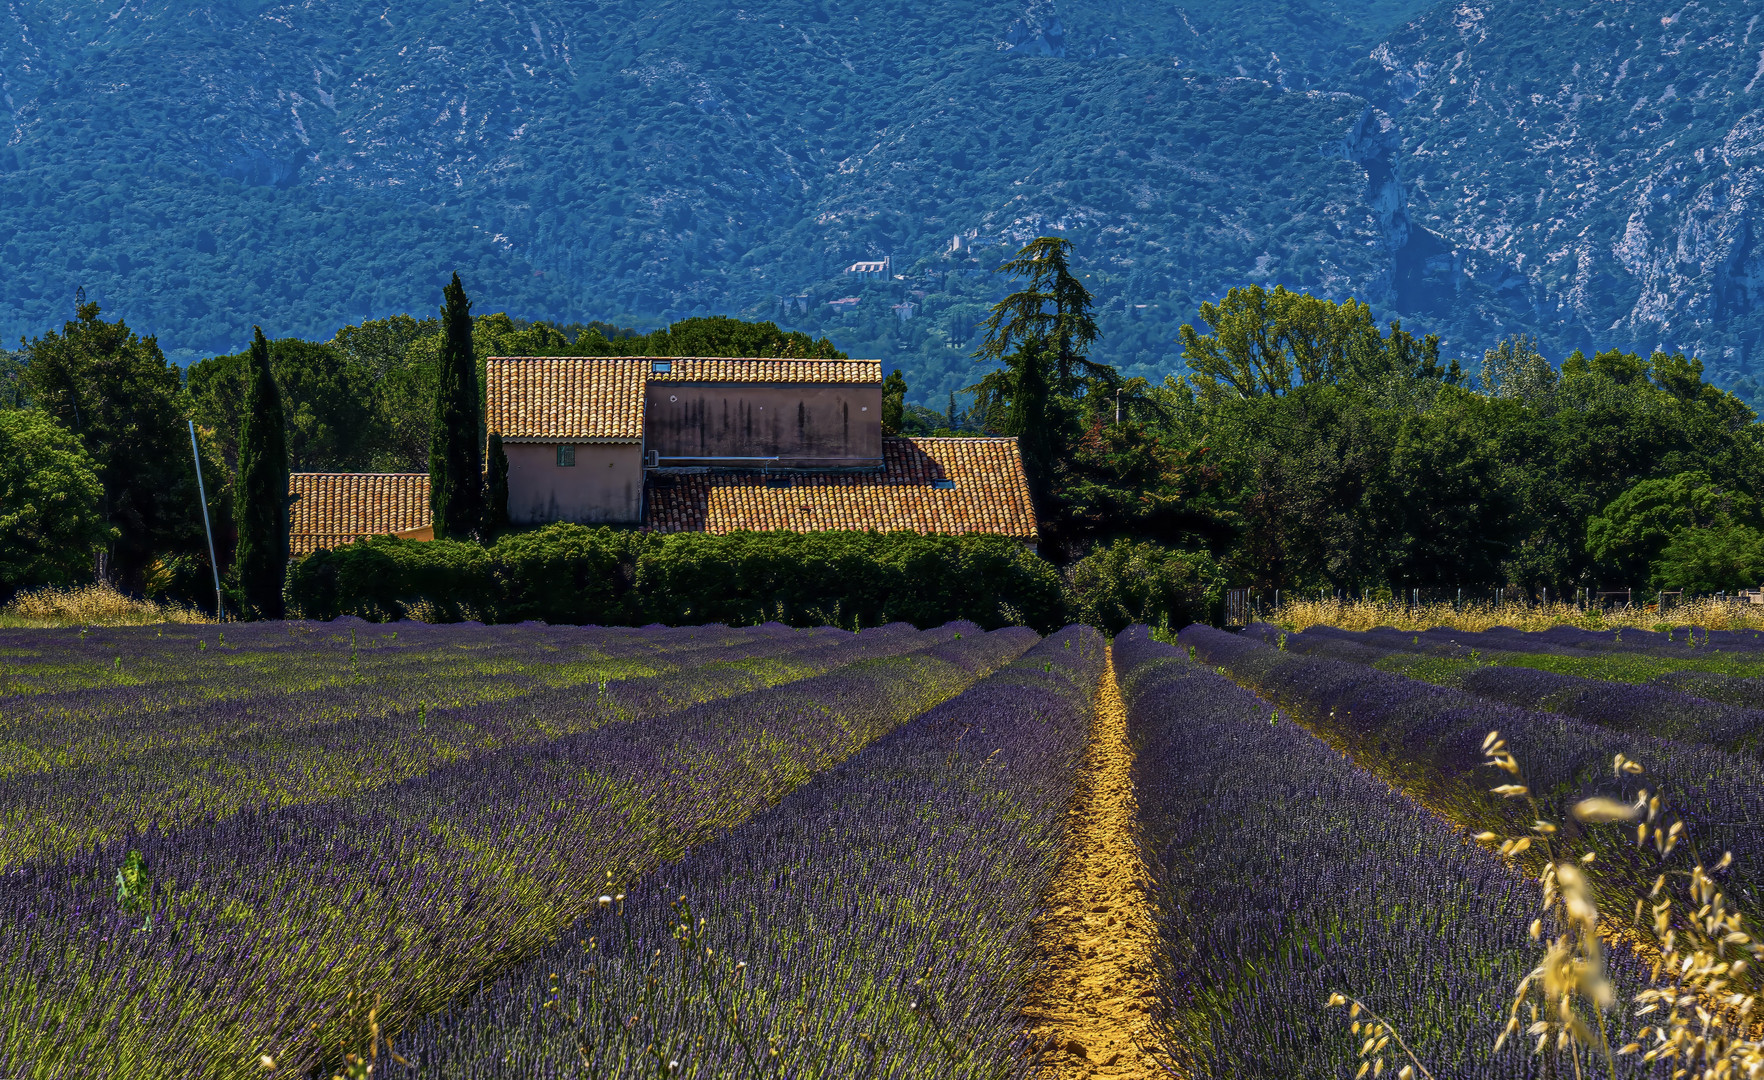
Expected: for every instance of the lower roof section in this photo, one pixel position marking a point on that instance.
(333, 509)
(924, 485)
(950, 485)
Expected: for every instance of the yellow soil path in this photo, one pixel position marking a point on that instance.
(1090, 1008)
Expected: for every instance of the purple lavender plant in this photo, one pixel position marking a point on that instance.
(1429, 737)
(877, 922)
(98, 776)
(276, 925)
(1282, 874)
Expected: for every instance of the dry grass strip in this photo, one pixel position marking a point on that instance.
(1090, 1009)
(1298, 613)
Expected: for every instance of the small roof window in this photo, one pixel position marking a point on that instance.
(943, 485)
(661, 366)
(778, 482)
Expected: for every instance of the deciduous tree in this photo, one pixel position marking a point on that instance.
(117, 394)
(50, 522)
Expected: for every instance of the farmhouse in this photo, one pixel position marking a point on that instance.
(692, 444)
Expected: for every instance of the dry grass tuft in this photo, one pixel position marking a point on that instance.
(91, 605)
(1708, 612)
(1699, 1007)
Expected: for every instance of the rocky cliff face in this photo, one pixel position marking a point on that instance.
(1599, 163)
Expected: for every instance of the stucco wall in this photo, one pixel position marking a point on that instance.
(807, 424)
(603, 487)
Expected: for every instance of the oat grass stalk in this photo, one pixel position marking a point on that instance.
(1569, 986)
(1704, 958)
(1379, 1033)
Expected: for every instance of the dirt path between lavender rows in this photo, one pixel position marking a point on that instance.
(1091, 1008)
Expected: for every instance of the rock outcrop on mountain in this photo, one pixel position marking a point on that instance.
(1600, 163)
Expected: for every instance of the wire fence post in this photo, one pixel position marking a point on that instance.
(220, 610)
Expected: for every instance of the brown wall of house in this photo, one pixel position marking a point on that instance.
(603, 487)
(805, 424)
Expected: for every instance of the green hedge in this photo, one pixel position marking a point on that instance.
(574, 574)
(1130, 581)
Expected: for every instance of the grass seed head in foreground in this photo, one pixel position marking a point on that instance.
(1700, 999)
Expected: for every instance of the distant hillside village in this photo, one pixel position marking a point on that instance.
(694, 444)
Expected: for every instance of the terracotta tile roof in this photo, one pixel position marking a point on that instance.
(990, 495)
(601, 399)
(338, 508)
(713, 369)
(565, 398)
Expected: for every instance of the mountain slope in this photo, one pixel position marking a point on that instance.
(1587, 172)
(200, 169)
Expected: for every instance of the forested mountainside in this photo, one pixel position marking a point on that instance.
(203, 168)
(1598, 165)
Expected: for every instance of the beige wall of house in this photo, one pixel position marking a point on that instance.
(804, 424)
(603, 487)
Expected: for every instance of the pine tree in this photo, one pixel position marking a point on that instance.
(456, 471)
(261, 507)
(497, 482)
(1040, 334)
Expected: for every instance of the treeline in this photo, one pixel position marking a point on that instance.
(97, 476)
(1306, 447)
(1309, 448)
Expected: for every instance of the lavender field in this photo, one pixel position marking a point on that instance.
(305, 849)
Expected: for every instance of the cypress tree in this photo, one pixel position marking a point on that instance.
(456, 470)
(261, 509)
(497, 482)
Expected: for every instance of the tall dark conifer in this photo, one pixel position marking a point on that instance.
(261, 506)
(456, 469)
(496, 480)
(1040, 334)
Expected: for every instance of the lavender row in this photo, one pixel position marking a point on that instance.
(1674, 641)
(1431, 736)
(55, 661)
(1647, 708)
(382, 671)
(1281, 874)
(1736, 653)
(877, 922)
(238, 757)
(103, 726)
(1632, 708)
(273, 930)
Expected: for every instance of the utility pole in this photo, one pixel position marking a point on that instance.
(220, 611)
